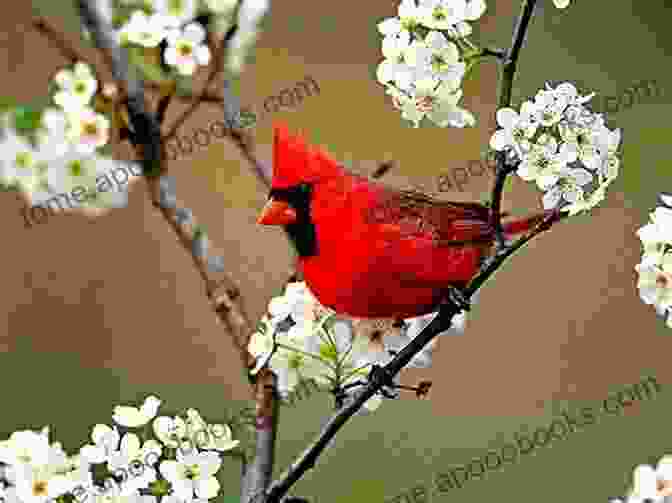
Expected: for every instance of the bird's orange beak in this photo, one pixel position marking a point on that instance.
(277, 213)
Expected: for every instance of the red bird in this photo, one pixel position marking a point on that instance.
(370, 251)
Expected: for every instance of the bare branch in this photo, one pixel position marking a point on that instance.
(214, 71)
(508, 73)
(224, 295)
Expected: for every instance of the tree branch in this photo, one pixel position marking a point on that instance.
(44, 28)
(224, 295)
(508, 73)
(214, 71)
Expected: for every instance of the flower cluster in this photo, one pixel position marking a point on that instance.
(562, 146)
(655, 268)
(176, 31)
(300, 340)
(182, 463)
(650, 484)
(427, 55)
(50, 152)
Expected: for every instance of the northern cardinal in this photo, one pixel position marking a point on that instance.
(370, 251)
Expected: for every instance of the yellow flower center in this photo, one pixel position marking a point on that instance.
(184, 50)
(90, 128)
(409, 24)
(191, 472)
(40, 488)
(439, 14)
(76, 168)
(438, 63)
(23, 160)
(80, 87)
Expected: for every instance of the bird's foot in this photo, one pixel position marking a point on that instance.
(457, 297)
(381, 376)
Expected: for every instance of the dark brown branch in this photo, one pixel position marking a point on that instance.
(44, 28)
(508, 74)
(214, 71)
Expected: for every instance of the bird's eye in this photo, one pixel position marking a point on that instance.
(304, 187)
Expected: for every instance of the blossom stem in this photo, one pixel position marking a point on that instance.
(304, 353)
(499, 54)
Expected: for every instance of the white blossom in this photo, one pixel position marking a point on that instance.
(183, 10)
(517, 129)
(88, 130)
(76, 87)
(133, 417)
(193, 474)
(436, 102)
(439, 59)
(186, 49)
(147, 31)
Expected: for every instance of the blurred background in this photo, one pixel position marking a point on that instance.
(101, 312)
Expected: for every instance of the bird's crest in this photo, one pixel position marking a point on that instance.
(294, 162)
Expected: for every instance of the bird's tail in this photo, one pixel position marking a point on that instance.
(524, 224)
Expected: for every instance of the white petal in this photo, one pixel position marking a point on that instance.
(582, 176)
(94, 453)
(150, 407)
(202, 55)
(195, 33)
(507, 117)
(475, 9)
(501, 139)
(208, 488)
(645, 482)
(390, 26)
(552, 198)
(99, 433)
(170, 470)
(130, 445)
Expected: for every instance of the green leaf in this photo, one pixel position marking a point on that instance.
(7, 103)
(27, 119)
(149, 70)
(508, 184)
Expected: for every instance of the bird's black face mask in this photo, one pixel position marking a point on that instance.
(302, 233)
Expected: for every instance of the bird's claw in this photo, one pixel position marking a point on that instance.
(380, 376)
(457, 297)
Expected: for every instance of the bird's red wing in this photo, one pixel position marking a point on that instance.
(406, 214)
(423, 242)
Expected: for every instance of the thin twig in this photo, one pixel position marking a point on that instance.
(382, 169)
(214, 71)
(44, 28)
(498, 53)
(508, 73)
